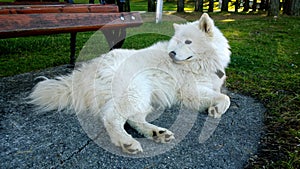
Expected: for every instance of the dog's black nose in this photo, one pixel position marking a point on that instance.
(172, 54)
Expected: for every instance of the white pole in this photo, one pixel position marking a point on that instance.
(159, 8)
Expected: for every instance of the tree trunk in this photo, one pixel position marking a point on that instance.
(287, 7)
(267, 5)
(224, 6)
(180, 5)
(199, 5)
(274, 8)
(292, 7)
(246, 6)
(211, 6)
(254, 5)
(295, 10)
(151, 6)
(262, 5)
(237, 6)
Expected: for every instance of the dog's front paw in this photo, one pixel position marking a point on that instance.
(220, 108)
(132, 147)
(213, 112)
(162, 136)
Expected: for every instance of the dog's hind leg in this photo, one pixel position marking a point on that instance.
(114, 124)
(158, 134)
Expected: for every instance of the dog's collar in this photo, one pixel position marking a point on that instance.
(220, 73)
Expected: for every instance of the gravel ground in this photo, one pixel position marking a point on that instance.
(31, 139)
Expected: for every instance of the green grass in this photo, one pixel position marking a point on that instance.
(265, 65)
(19, 55)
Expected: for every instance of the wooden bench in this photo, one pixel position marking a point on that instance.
(21, 19)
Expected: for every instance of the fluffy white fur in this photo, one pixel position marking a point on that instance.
(123, 85)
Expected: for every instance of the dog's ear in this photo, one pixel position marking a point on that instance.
(206, 24)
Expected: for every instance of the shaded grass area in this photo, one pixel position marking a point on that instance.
(265, 64)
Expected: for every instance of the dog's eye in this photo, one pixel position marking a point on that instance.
(188, 42)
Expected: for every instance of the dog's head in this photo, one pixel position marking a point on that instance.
(195, 40)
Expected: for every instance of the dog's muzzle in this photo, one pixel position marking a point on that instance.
(172, 55)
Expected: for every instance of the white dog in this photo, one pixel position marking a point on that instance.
(124, 85)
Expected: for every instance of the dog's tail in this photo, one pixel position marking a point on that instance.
(52, 94)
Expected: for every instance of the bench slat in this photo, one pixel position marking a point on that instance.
(31, 3)
(59, 9)
(16, 25)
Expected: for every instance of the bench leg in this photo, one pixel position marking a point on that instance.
(115, 37)
(72, 49)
